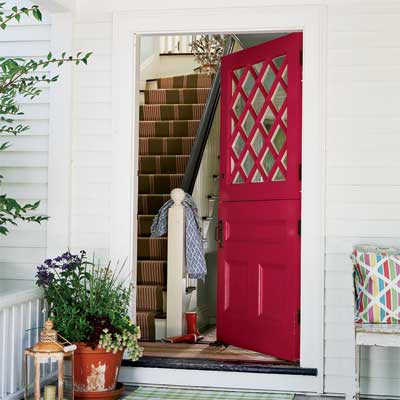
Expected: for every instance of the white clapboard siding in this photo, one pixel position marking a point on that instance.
(91, 140)
(24, 164)
(363, 192)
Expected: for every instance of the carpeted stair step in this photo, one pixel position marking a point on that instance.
(149, 298)
(162, 112)
(174, 128)
(163, 164)
(159, 184)
(186, 81)
(145, 319)
(152, 273)
(151, 203)
(152, 248)
(176, 96)
(165, 146)
(144, 224)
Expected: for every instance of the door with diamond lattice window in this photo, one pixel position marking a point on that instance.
(258, 295)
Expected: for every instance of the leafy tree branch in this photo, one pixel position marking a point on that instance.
(20, 78)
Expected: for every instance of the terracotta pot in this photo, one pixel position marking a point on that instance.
(95, 370)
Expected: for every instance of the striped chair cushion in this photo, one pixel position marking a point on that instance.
(377, 284)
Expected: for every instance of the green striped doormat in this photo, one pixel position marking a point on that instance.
(161, 393)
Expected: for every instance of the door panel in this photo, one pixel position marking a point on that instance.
(258, 289)
(261, 121)
(261, 274)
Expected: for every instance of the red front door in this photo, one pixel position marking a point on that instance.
(258, 296)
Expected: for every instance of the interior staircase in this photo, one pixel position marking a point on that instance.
(169, 119)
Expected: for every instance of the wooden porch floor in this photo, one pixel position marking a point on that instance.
(205, 351)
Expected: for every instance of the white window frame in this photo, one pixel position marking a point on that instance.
(311, 20)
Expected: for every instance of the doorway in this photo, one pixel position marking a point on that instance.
(167, 128)
(129, 28)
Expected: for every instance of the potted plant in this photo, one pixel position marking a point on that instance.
(89, 306)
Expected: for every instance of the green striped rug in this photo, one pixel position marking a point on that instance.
(158, 393)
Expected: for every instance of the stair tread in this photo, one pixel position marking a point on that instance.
(168, 112)
(172, 128)
(166, 146)
(176, 96)
(181, 81)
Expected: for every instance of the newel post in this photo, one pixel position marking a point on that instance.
(176, 280)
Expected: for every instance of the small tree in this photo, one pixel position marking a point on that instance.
(20, 77)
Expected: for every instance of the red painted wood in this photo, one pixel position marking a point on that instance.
(258, 295)
(290, 46)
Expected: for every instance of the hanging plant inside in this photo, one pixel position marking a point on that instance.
(207, 51)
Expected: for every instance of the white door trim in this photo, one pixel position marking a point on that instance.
(128, 26)
(59, 162)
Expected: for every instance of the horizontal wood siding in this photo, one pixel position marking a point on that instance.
(363, 183)
(24, 164)
(92, 139)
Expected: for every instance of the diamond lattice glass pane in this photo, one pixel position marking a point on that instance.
(248, 123)
(238, 73)
(284, 160)
(278, 176)
(268, 162)
(284, 117)
(232, 164)
(257, 67)
(258, 101)
(238, 178)
(284, 75)
(233, 87)
(258, 142)
(247, 163)
(278, 61)
(238, 105)
(248, 84)
(279, 97)
(238, 145)
(257, 177)
(279, 139)
(268, 119)
(268, 79)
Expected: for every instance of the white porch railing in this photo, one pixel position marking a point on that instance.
(176, 44)
(21, 306)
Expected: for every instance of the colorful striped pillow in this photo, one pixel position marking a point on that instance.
(377, 284)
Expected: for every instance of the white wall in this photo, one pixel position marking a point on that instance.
(362, 175)
(24, 165)
(363, 183)
(92, 139)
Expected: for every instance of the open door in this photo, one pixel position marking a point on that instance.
(258, 295)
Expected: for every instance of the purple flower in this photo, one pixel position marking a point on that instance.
(44, 276)
(67, 255)
(58, 259)
(48, 261)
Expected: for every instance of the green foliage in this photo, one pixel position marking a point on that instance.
(89, 303)
(22, 78)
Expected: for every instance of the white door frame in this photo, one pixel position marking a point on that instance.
(128, 26)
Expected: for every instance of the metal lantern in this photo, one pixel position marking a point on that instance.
(51, 349)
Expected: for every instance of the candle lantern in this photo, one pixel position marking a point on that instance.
(51, 364)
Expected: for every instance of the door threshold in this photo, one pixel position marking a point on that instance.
(214, 365)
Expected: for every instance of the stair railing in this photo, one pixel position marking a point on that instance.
(180, 297)
(178, 44)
